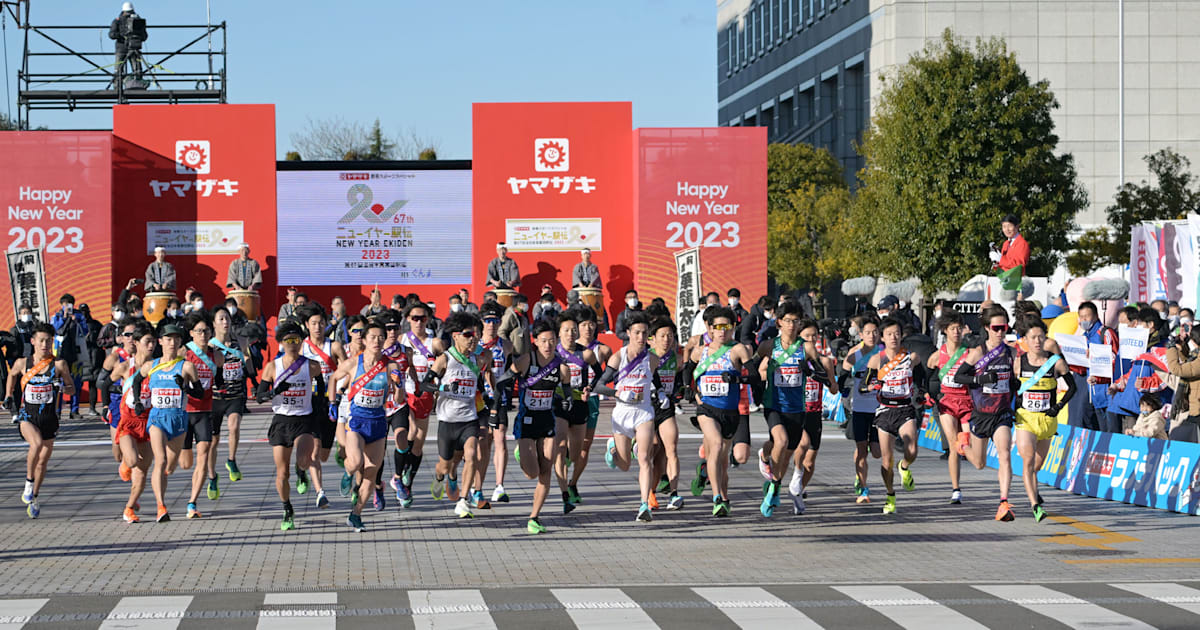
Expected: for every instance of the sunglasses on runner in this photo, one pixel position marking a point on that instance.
(392, 326)
(291, 339)
(417, 318)
(125, 334)
(467, 333)
(999, 327)
(356, 331)
(722, 326)
(491, 320)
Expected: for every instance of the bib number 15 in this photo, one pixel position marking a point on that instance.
(711, 234)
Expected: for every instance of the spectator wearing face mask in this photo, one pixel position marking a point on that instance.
(632, 305)
(547, 305)
(22, 332)
(514, 326)
(195, 303)
(752, 325)
(735, 298)
(71, 333)
(699, 327)
(108, 333)
(173, 316)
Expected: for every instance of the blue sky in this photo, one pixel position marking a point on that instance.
(420, 65)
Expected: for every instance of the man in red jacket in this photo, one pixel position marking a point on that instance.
(1015, 250)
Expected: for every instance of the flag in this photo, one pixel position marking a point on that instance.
(1010, 280)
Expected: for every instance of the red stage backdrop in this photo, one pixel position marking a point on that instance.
(198, 180)
(55, 187)
(557, 177)
(703, 188)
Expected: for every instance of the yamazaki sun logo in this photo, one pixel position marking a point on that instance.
(550, 155)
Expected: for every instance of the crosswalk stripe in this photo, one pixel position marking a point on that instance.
(449, 610)
(907, 608)
(15, 613)
(1176, 595)
(1063, 608)
(147, 613)
(603, 608)
(753, 607)
(303, 613)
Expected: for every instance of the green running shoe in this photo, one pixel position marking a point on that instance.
(214, 492)
(339, 456)
(1039, 512)
(234, 473)
(355, 521)
(301, 481)
(664, 484)
(572, 494)
(288, 523)
(535, 526)
(438, 488)
(347, 484)
(858, 486)
(906, 478)
(889, 506)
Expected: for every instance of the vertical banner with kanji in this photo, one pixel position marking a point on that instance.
(687, 289)
(27, 277)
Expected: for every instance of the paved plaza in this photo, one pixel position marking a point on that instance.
(838, 565)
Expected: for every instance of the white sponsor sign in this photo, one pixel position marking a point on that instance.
(552, 235)
(1133, 341)
(27, 279)
(1100, 360)
(1074, 348)
(687, 288)
(194, 237)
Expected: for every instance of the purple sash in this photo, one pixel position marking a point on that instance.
(631, 365)
(546, 369)
(570, 357)
(982, 364)
(417, 345)
(290, 370)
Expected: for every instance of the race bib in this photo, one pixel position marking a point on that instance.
(539, 399)
(129, 401)
(464, 389)
(205, 374)
(576, 375)
(949, 383)
(166, 398)
(631, 394)
(789, 376)
(294, 398)
(713, 386)
(668, 380)
(232, 372)
(369, 398)
(39, 393)
(812, 392)
(1001, 386)
(899, 386)
(1037, 402)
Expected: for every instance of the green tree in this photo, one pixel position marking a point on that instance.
(791, 167)
(293, 156)
(380, 148)
(428, 153)
(960, 138)
(806, 196)
(1172, 195)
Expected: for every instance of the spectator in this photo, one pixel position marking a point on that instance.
(289, 306)
(1140, 377)
(160, 274)
(1093, 407)
(735, 298)
(632, 305)
(236, 316)
(71, 332)
(107, 338)
(933, 330)
(712, 298)
(489, 296)
(468, 307)
(1014, 251)
(173, 315)
(195, 303)
(585, 273)
(1150, 423)
(90, 369)
(336, 328)
(807, 302)
(434, 325)
(1183, 361)
(514, 326)
(375, 307)
(547, 305)
(244, 272)
(22, 332)
(456, 305)
(754, 321)
(1128, 316)
(502, 271)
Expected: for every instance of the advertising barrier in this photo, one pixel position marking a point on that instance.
(27, 279)
(1162, 260)
(1161, 474)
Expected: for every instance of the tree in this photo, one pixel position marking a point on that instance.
(960, 138)
(806, 195)
(8, 124)
(427, 154)
(293, 156)
(1172, 196)
(791, 167)
(380, 148)
(338, 139)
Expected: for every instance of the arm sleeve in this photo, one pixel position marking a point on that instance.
(103, 384)
(603, 384)
(965, 374)
(430, 383)
(1070, 393)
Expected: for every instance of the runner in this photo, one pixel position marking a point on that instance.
(664, 343)
(229, 400)
(170, 377)
(953, 401)
(132, 435)
(355, 327)
(898, 378)
(492, 438)
(571, 424)
(209, 369)
(715, 371)
(110, 390)
(1037, 407)
(456, 378)
(823, 366)
(422, 350)
(42, 381)
(863, 405)
(328, 354)
(366, 381)
(988, 372)
(291, 382)
(589, 328)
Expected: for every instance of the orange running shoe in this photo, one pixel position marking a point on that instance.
(964, 442)
(653, 502)
(130, 516)
(124, 472)
(163, 517)
(1004, 512)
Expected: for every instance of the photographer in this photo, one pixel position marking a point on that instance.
(128, 30)
(1183, 361)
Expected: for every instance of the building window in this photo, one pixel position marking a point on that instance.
(807, 7)
(768, 24)
(791, 17)
(786, 117)
(749, 121)
(759, 33)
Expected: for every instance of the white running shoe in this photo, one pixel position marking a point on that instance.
(956, 497)
(797, 503)
(796, 486)
(497, 493)
(764, 467)
(462, 510)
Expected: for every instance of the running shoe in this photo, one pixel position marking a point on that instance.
(479, 502)
(354, 498)
(956, 497)
(573, 490)
(517, 454)
(1004, 512)
(723, 509)
(452, 489)
(534, 526)
(644, 514)
(798, 504)
(130, 516)
(406, 477)
(288, 523)
(963, 443)
(234, 473)
(864, 497)
(764, 467)
(500, 496)
(27, 494)
(610, 448)
(700, 479)
(403, 495)
(906, 478)
(768, 506)
(633, 449)
(355, 521)
(124, 472)
(214, 492)
(858, 486)
(339, 456)
(163, 517)
(796, 485)
(395, 483)
(33, 509)
(347, 484)
(1039, 497)
(664, 484)
(1039, 512)
(568, 507)
(889, 506)
(438, 488)
(379, 502)
(192, 512)
(462, 510)
(301, 481)
(676, 502)
(653, 502)
(322, 500)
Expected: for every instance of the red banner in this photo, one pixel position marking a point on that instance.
(55, 187)
(553, 178)
(704, 188)
(197, 180)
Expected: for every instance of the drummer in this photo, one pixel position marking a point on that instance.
(502, 271)
(586, 273)
(244, 272)
(160, 274)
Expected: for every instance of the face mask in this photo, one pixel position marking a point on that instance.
(454, 308)
(1162, 315)
(733, 301)
(172, 312)
(903, 303)
(1183, 321)
(231, 309)
(118, 316)
(27, 318)
(631, 302)
(198, 305)
(937, 313)
(770, 315)
(853, 331)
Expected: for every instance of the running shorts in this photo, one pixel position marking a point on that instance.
(132, 425)
(662, 415)
(627, 418)
(727, 419)
(957, 406)
(172, 422)
(813, 427)
(400, 419)
(533, 425)
(742, 435)
(863, 427)
(453, 436)
(792, 423)
(421, 405)
(498, 422)
(46, 424)
(891, 419)
(223, 408)
(984, 425)
(371, 430)
(576, 416)
(1043, 426)
(200, 428)
(285, 430)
